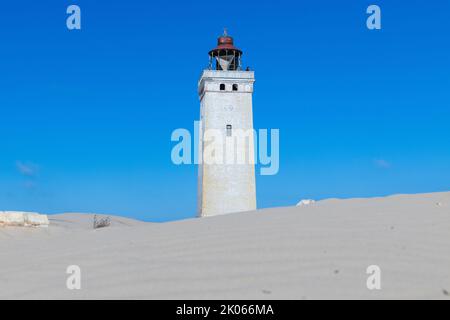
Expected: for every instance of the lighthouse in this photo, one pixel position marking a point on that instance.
(226, 177)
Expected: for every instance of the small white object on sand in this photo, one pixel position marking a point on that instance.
(23, 219)
(305, 202)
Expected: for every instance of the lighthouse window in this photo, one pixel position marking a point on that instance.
(235, 87)
(229, 130)
(222, 87)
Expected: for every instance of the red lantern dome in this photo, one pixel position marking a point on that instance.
(227, 56)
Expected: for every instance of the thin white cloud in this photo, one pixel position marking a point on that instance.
(382, 163)
(27, 169)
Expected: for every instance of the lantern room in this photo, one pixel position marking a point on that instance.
(225, 57)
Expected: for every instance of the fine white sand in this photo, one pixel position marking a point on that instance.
(319, 251)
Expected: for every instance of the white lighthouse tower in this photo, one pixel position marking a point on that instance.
(226, 180)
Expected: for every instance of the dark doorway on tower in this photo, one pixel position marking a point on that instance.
(229, 130)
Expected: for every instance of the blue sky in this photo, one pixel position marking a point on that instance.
(86, 116)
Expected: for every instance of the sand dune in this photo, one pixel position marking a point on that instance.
(319, 251)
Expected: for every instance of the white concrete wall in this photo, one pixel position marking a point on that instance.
(226, 188)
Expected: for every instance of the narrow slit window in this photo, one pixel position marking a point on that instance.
(222, 87)
(229, 130)
(235, 87)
